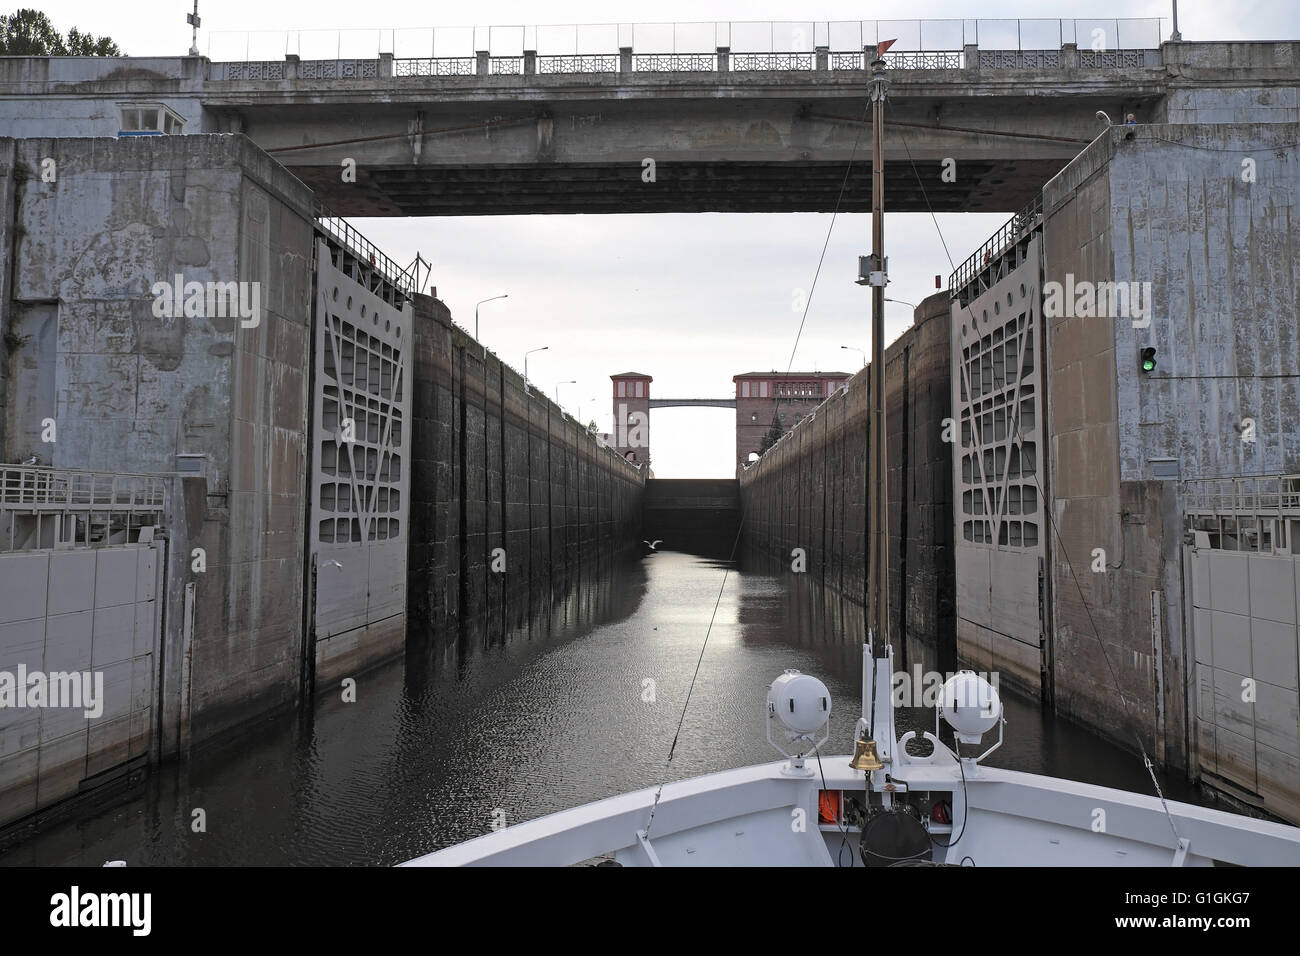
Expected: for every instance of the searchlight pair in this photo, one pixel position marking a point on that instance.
(969, 704)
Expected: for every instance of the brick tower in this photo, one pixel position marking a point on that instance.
(762, 396)
(632, 416)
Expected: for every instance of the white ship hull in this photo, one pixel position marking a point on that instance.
(763, 816)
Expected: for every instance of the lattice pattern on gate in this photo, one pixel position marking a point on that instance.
(361, 448)
(998, 414)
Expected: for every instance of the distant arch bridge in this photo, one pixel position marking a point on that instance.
(692, 402)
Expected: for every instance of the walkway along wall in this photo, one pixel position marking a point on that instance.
(809, 491)
(499, 466)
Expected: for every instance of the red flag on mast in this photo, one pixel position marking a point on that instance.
(884, 45)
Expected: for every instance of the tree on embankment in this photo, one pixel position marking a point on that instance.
(30, 33)
(773, 434)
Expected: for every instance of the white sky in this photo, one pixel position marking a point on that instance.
(688, 299)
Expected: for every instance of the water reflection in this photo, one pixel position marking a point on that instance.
(570, 700)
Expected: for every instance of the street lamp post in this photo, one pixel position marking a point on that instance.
(862, 352)
(505, 295)
(900, 302)
(572, 381)
(542, 348)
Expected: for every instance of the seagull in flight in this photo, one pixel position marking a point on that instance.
(653, 545)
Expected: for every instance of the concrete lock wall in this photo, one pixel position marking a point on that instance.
(132, 392)
(497, 465)
(809, 491)
(1169, 206)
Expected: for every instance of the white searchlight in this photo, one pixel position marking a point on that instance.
(802, 704)
(970, 705)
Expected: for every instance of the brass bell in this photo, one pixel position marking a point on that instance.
(865, 756)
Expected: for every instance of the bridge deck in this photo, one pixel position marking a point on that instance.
(692, 402)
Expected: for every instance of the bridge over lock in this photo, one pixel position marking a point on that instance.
(621, 118)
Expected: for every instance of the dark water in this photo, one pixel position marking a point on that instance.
(555, 713)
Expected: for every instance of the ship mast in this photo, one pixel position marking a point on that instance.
(872, 271)
(878, 521)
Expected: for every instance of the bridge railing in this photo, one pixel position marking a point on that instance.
(1010, 233)
(1259, 513)
(39, 487)
(578, 63)
(1275, 495)
(440, 66)
(713, 46)
(42, 507)
(363, 250)
(723, 62)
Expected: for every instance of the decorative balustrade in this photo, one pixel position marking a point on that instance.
(706, 47)
(1118, 59)
(746, 62)
(905, 60)
(435, 66)
(250, 70)
(924, 60)
(337, 69)
(595, 63)
(1019, 59)
(674, 63)
(577, 64)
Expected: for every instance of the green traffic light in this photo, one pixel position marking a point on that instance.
(1148, 365)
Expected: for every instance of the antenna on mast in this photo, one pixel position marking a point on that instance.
(193, 20)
